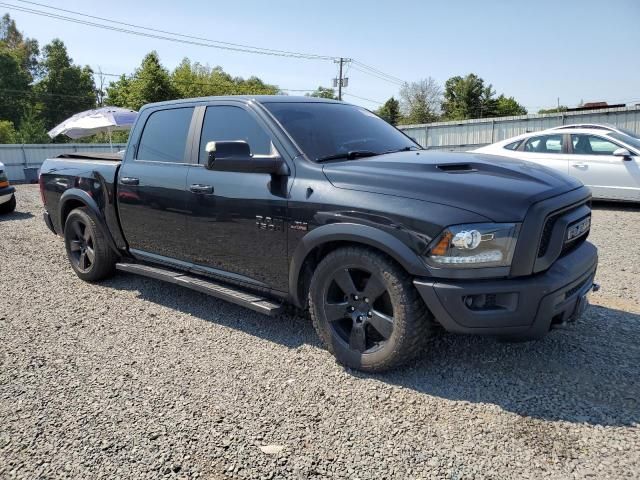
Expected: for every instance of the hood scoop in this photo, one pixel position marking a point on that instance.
(457, 168)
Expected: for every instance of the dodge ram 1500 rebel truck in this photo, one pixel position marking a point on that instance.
(270, 201)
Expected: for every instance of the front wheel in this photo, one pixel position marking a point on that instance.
(366, 310)
(89, 254)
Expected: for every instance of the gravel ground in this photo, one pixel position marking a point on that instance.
(133, 378)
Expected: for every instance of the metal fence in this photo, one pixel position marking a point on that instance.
(470, 134)
(18, 157)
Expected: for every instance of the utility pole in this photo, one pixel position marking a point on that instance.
(341, 81)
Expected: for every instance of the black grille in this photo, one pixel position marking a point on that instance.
(547, 231)
(546, 235)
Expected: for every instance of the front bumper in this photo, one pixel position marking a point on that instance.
(6, 193)
(518, 307)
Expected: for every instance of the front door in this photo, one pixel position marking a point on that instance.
(609, 177)
(237, 222)
(152, 194)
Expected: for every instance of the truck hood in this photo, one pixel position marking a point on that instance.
(497, 188)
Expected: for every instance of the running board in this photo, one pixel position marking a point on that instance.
(239, 297)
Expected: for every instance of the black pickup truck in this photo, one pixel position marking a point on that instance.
(271, 201)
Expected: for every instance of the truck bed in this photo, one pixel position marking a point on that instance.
(116, 156)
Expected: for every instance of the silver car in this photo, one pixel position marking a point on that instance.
(606, 161)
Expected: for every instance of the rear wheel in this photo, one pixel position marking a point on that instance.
(89, 254)
(10, 206)
(367, 311)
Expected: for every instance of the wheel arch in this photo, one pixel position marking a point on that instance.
(76, 198)
(322, 240)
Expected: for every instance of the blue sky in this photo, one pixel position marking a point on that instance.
(535, 51)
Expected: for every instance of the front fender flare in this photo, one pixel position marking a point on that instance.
(76, 194)
(355, 233)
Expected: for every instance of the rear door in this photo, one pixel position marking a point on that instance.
(609, 177)
(237, 222)
(152, 194)
(547, 150)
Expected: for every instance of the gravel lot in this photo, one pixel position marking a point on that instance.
(133, 378)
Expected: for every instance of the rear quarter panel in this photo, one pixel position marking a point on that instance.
(81, 179)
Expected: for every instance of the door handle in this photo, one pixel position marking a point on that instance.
(202, 189)
(129, 181)
(579, 165)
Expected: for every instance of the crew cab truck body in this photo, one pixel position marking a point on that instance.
(267, 201)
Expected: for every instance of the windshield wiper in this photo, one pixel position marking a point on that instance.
(350, 155)
(404, 149)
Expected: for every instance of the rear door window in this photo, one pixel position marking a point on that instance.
(164, 138)
(544, 144)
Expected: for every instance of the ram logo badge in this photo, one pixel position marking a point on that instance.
(578, 229)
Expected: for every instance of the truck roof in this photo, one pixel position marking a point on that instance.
(246, 98)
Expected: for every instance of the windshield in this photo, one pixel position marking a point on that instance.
(629, 132)
(631, 141)
(333, 129)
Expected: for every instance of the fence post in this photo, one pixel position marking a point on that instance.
(493, 130)
(426, 136)
(24, 155)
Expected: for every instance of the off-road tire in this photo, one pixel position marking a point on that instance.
(412, 322)
(103, 264)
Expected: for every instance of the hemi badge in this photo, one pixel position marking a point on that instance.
(578, 229)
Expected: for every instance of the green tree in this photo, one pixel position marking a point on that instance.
(15, 91)
(420, 101)
(25, 49)
(65, 88)
(18, 61)
(7, 132)
(508, 106)
(197, 80)
(149, 83)
(390, 111)
(561, 108)
(464, 97)
(32, 127)
(323, 92)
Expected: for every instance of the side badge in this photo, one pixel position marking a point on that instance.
(296, 225)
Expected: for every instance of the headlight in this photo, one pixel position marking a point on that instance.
(4, 182)
(474, 245)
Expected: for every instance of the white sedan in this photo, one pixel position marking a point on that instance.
(606, 161)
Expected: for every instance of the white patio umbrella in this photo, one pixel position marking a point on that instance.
(105, 119)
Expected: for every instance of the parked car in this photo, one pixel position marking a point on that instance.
(271, 201)
(599, 126)
(608, 162)
(7, 193)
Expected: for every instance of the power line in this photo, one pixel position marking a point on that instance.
(363, 98)
(310, 55)
(379, 72)
(380, 77)
(184, 40)
(191, 39)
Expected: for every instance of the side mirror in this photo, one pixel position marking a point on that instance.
(235, 156)
(622, 152)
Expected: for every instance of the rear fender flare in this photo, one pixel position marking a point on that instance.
(76, 194)
(353, 233)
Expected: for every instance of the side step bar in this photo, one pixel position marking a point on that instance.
(239, 297)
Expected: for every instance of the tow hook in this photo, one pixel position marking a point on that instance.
(595, 287)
